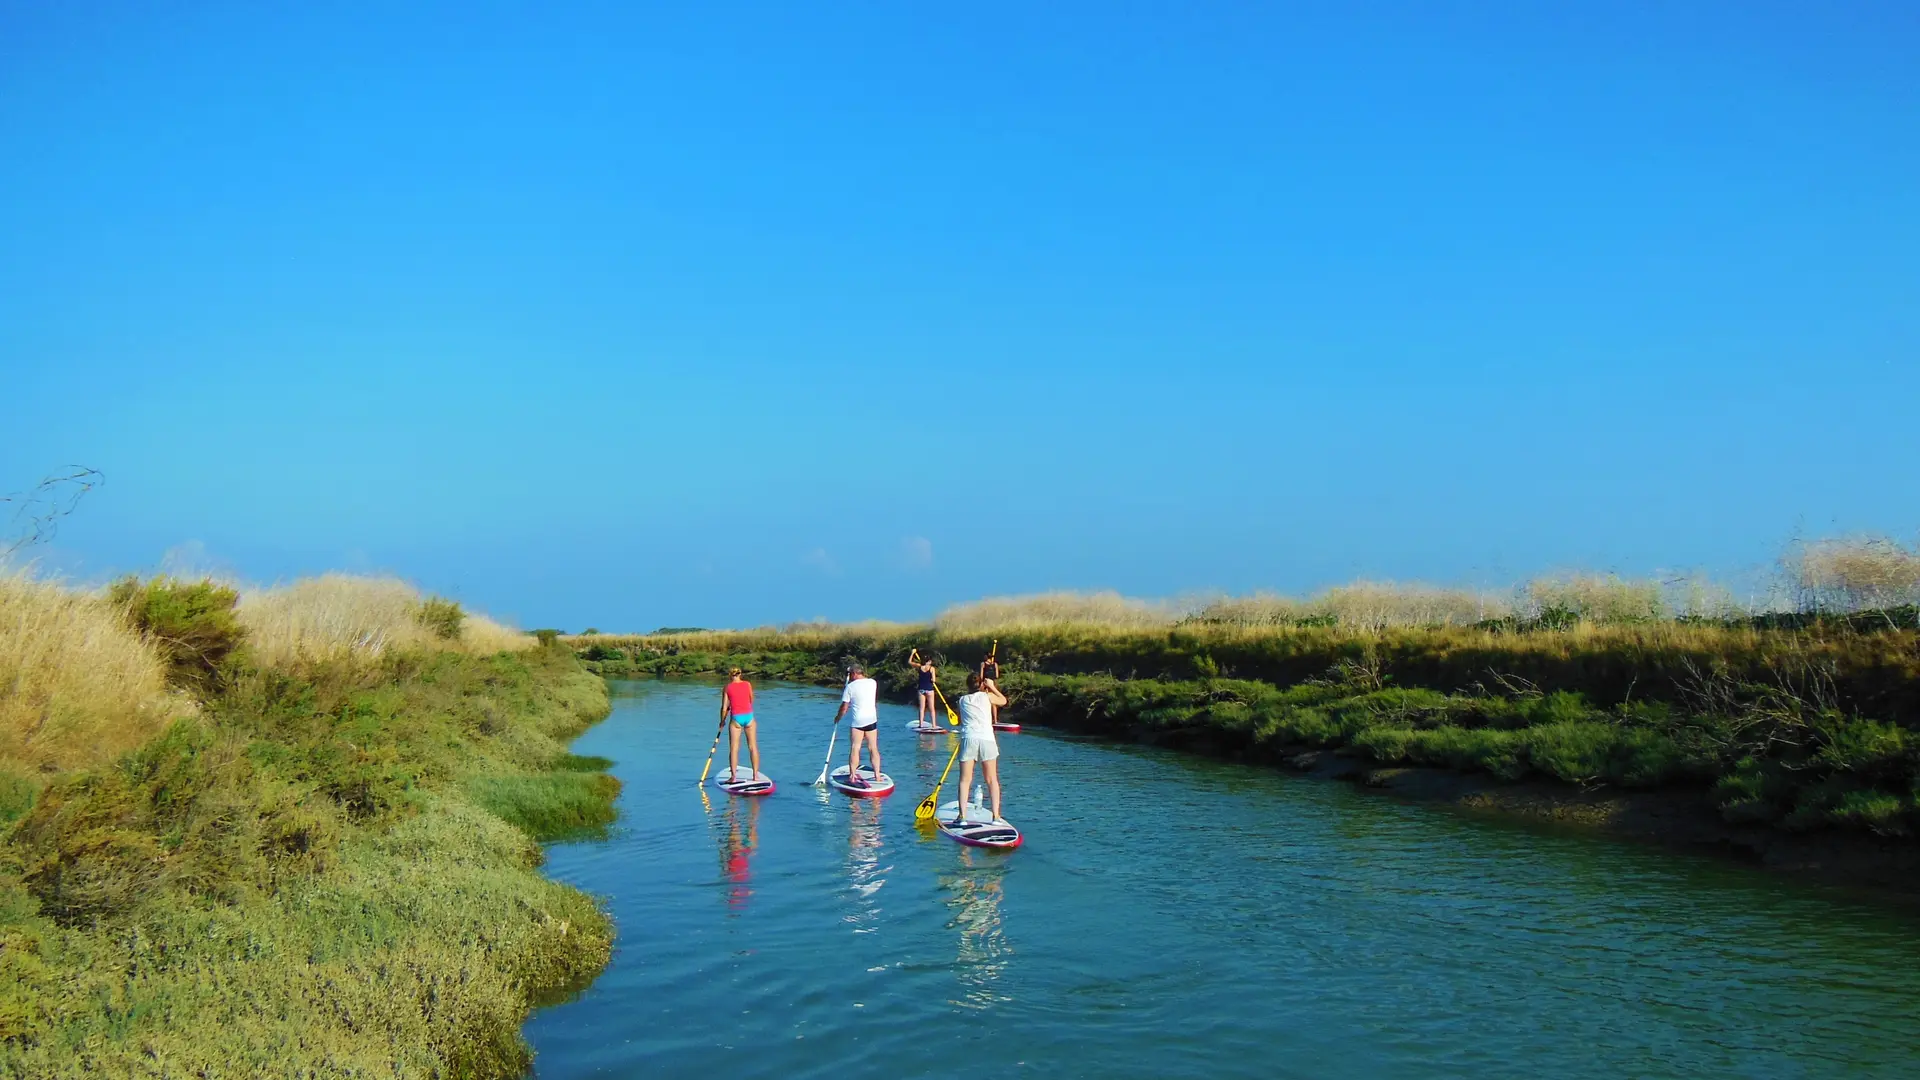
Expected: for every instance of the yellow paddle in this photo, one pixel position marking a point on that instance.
(931, 804)
(711, 749)
(953, 718)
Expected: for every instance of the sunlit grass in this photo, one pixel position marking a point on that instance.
(344, 615)
(76, 685)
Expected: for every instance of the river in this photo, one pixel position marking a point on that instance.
(1174, 916)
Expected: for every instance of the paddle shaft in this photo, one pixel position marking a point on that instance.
(953, 718)
(930, 805)
(715, 748)
(828, 764)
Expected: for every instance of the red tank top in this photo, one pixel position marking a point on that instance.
(740, 697)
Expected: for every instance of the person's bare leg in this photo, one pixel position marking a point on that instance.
(992, 769)
(853, 761)
(733, 749)
(873, 751)
(753, 747)
(966, 785)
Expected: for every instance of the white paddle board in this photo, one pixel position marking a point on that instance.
(745, 782)
(979, 829)
(926, 729)
(871, 788)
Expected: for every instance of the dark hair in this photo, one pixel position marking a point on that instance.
(973, 682)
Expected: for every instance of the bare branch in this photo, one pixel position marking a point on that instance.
(36, 513)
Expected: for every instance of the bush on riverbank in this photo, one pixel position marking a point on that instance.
(313, 870)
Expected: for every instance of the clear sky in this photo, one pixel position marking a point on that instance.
(721, 314)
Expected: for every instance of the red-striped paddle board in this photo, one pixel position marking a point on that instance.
(979, 829)
(744, 782)
(868, 786)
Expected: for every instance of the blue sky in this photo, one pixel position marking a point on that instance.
(719, 314)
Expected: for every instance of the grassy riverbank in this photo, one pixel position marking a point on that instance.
(1801, 724)
(301, 838)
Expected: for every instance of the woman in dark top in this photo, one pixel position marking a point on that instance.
(924, 687)
(990, 670)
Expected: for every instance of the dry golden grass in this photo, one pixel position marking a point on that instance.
(76, 686)
(1056, 609)
(344, 615)
(1596, 598)
(1854, 574)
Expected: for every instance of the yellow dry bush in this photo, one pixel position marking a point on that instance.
(363, 618)
(1108, 609)
(1855, 574)
(1257, 609)
(1381, 605)
(1596, 598)
(76, 686)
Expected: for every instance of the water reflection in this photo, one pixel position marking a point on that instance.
(865, 872)
(738, 829)
(974, 891)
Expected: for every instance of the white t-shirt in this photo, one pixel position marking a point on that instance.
(976, 716)
(860, 697)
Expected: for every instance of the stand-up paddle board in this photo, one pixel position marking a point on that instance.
(745, 782)
(868, 787)
(1003, 725)
(979, 829)
(925, 729)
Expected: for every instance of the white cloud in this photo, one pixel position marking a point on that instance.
(916, 553)
(821, 561)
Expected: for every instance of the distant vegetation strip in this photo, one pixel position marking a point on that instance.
(283, 832)
(1803, 718)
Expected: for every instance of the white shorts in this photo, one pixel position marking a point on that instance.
(979, 749)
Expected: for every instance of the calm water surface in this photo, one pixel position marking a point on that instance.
(1170, 916)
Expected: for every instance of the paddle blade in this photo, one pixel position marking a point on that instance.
(924, 812)
(953, 718)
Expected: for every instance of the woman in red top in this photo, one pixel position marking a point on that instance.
(736, 701)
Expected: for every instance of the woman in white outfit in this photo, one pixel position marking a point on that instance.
(977, 742)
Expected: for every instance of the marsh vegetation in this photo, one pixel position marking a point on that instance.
(1801, 713)
(283, 831)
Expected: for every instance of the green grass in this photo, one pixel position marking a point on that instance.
(549, 806)
(334, 872)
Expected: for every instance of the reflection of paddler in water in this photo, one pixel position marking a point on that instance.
(863, 846)
(739, 834)
(974, 896)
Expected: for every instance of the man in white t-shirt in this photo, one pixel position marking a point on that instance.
(977, 742)
(861, 698)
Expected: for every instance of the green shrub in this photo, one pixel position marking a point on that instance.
(443, 617)
(547, 638)
(17, 793)
(191, 622)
